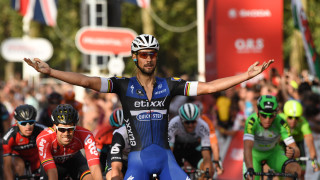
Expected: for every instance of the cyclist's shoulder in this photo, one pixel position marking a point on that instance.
(175, 120)
(82, 133)
(47, 134)
(82, 130)
(120, 78)
(122, 131)
(253, 118)
(12, 132)
(303, 120)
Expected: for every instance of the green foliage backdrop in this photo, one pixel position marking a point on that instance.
(178, 50)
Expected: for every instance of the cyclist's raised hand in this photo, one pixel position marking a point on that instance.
(254, 69)
(38, 65)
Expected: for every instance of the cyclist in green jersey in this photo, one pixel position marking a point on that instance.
(261, 136)
(301, 132)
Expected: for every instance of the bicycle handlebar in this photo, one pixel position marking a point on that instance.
(272, 174)
(304, 159)
(28, 176)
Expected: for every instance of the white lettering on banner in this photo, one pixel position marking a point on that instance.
(249, 45)
(237, 154)
(102, 41)
(41, 148)
(92, 146)
(255, 13)
(249, 13)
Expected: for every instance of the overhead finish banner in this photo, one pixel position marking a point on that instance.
(239, 33)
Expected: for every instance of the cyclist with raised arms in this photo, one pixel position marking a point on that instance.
(189, 138)
(301, 132)
(59, 147)
(19, 143)
(145, 101)
(262, 133)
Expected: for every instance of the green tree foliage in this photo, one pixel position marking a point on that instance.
(178, 51)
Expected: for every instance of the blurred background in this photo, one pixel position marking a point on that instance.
(174, 24)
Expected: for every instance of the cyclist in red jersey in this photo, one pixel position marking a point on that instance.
(59, 147)
(104, 135)
(19, 143)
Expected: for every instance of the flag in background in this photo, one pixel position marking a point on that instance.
(301, 22)
(43, 11)
(140, 3)
(20, 5)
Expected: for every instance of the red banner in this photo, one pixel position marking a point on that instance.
(233, 160)
(239, 33)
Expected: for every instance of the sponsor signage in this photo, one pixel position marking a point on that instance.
(239, 33)
(15, 49)
(105, 41)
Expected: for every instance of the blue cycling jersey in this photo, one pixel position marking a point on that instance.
(147, 122)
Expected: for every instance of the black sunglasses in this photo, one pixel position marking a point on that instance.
(189, 122)
(24, 123)
(292, 117)
(64, 129)
(266, 115)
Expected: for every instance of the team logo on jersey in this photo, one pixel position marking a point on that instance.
(115, 149)
(130, 178)
(143, 103)
(21, 140)
(132, 140)
(92, 145)
(147, 116)
(131, 87)
(139, 92)
(8, 134)
(159, 86)
(41, 148)
(175, 79)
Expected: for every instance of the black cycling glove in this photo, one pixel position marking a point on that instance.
(250, 172)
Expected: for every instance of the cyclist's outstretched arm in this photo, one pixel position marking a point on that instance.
(96, 172)
(225, 83)
(69, 77)
(52, 174)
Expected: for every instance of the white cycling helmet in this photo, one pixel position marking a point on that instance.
(189, 112)
(144, 41)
